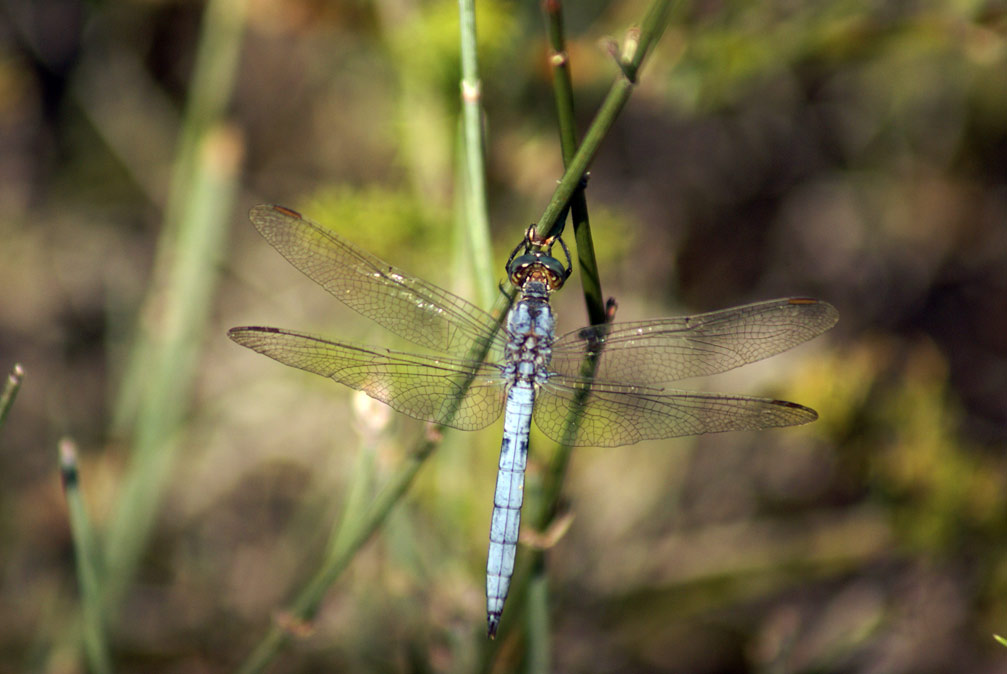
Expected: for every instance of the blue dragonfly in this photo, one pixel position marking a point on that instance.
(479, 370)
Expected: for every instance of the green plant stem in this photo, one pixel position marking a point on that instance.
(355, 533)
(10, 391)
(538, 657)
(87, 561)
(634, 54)
(563, 91)
(652, 27)
(358, 490)
(164, 360)
(562, 83)
(590, 278)
(477, 212)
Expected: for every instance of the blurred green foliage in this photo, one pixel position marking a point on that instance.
(390, 222)
(424, 42)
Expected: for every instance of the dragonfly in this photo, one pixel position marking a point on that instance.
(478, 371)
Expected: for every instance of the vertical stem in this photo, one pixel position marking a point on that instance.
(539, 660)
(176, 311)
(310, 598)
(634, 53)
(86, 555)
(563, 89)
(475, 161)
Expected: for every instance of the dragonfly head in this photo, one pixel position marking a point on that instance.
(537, 266)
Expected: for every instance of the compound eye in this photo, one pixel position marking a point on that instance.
(555, 270)
(520, 267)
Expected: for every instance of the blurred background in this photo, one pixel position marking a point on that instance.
(853, 151)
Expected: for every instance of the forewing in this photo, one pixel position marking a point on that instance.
(611, 416)
(410, 307)
(461, 394)
(669, 349)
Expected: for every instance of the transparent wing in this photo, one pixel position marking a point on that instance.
(613, 415)
(410, 307)
(668, 349)
(426, 388)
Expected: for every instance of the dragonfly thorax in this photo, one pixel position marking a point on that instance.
(530, 330)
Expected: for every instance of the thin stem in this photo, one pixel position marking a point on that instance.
(305, 606)
(563, 90)
(562, 84)
(634, 53)
(359, 489)
(539, 660)
(10, 391)
(477, 212)
(164, 360)
(87, 560)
